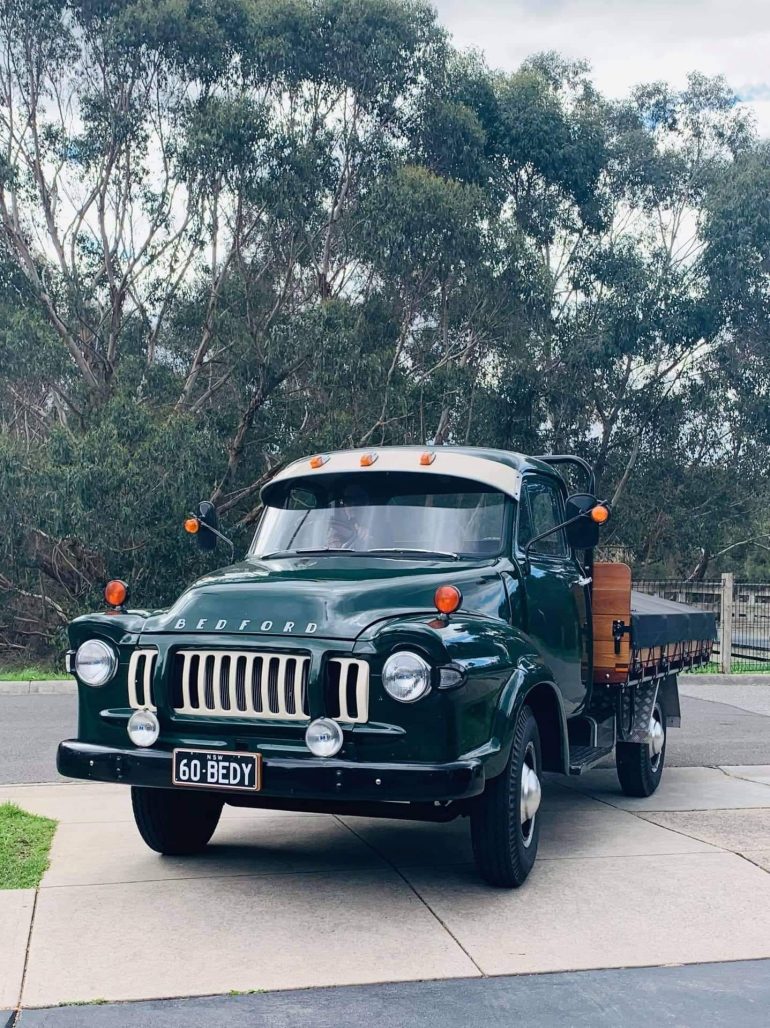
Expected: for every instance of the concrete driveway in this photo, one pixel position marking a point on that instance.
(291, 901)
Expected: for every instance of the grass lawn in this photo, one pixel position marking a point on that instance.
(25, 840)
(30, 673)
(738, 667)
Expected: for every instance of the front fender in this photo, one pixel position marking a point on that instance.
(503, 671)
(531, 683)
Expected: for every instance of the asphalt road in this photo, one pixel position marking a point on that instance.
(709, 995)
(711, 733)
(31, 728)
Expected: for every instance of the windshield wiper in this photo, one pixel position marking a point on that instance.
(382, 551)
(307, 553)
(413, 549)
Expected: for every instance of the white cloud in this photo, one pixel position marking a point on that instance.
(627, 41)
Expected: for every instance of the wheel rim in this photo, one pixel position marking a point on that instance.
(657, 738)
(531, 794)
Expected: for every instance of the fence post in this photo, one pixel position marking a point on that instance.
(726, 624)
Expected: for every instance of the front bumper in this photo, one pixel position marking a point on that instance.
(310, 778)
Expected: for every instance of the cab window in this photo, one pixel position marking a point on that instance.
(541, 508)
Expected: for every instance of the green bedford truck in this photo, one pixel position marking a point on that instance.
(414, 633)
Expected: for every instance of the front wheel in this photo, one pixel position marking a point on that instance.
(505, 828)
(173, 822)
(640, 765)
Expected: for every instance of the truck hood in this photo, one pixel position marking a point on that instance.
(328, 596)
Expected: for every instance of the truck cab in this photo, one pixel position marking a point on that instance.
(413, 633)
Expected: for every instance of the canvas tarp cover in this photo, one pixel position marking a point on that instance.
(656, 622)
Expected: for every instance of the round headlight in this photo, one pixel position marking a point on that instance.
(143, 728)
(324, 737)
(95, 662)
(406, 676)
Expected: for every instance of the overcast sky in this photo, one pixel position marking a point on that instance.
(628, 41)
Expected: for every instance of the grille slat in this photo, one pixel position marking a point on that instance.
(186, 660)
(140, 670)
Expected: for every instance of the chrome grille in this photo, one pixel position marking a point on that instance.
(265, 686)
(268, 686)
(140, 669)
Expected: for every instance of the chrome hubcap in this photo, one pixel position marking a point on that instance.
(657, 738)
(531, 794)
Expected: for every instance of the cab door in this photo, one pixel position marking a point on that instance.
(554, 612)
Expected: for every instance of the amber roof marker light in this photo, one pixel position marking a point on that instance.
(447, 599)
(115, 593)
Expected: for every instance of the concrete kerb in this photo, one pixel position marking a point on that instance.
(695, 679)
(47, 687)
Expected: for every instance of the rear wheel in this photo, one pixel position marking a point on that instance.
(173, 822)
(640, 765)
(505, 828)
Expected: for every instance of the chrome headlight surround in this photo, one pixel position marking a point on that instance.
(143, 728)
(406, 676)
(95, 662)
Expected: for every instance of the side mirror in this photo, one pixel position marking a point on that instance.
(204, 525)
(207, 515)
(584, 516)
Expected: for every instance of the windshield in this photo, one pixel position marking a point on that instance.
(383, 513)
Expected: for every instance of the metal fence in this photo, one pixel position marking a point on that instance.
(742, 611)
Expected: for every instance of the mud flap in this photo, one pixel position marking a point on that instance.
(669, 697)
(637, 703)
(636, 706)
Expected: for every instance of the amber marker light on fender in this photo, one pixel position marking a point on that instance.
(447, 599)
(115, 593)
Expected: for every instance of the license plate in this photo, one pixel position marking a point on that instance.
(214, 769)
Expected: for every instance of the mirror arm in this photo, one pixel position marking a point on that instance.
(217, 533)
(551, 531)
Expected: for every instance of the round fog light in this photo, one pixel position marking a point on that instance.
(324, 737)
(143, 728)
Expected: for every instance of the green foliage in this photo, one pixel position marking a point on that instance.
(249, 230)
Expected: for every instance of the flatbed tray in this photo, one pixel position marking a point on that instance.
(637, 636)
(657, 622)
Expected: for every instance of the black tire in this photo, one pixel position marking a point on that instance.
(503, 847)
(173, 822)
(639, 770)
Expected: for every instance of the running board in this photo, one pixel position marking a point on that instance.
(581, 758)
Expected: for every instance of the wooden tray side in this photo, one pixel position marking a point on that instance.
(611, 601)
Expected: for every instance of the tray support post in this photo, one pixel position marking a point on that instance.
(726, 623)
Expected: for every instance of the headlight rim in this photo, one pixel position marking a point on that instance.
(337, 731)
(112, 662)
(143, 743)
(428, 675)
